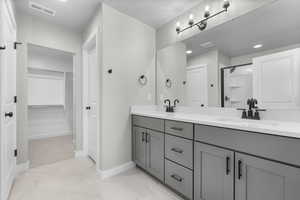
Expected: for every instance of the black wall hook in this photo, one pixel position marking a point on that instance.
(143, 80)
(2, 47)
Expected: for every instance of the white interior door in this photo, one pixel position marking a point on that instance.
(196, 86)
(92, 103)
(7, 94)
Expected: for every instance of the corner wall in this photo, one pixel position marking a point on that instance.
(129, 50)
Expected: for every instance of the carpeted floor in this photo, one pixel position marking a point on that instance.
(50, 150)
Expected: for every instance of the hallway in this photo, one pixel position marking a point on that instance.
(76, 179)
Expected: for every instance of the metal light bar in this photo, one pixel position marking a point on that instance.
(202, 24)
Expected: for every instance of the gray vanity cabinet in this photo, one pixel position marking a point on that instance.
(139, 145)
(149, 151)
(260, 179)
(155, 153)
(214, 173)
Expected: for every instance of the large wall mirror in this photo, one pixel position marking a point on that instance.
(254, 56)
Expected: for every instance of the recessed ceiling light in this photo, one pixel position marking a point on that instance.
(63, 0)
(189, 52)
(257, 46)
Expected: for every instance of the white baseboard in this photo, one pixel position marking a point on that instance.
(49, 135)
(115, 171)
(79, 154)
(21, 168)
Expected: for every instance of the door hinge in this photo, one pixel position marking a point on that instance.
(16, 44)
(15, 99)
(16, 153)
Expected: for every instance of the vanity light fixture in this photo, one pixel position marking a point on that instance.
(257, 46)
(202, 24)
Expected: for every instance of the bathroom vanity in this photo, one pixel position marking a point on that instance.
(210, 158)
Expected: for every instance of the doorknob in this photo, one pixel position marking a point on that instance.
(88, 108)
(9, 114)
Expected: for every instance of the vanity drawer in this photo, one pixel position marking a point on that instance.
(179, 178)
(181, 129)
(278, 148)
(179, 150)
(148, 122)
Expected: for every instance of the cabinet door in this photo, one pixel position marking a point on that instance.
(214, 173)
(270, 92)
(258, 179)
(140, 146)
(155, 153)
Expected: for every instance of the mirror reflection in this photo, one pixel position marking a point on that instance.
(250, 57)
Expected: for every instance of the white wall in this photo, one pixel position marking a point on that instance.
(32, 30)
(129, 50)
(166, 35)
(171, 63)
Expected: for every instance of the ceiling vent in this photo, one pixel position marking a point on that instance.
(207, 45)
(42, 9)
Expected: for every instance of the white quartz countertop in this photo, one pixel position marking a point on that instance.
(285, 129)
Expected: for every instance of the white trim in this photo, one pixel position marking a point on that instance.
(80, 154)
(21, 168)
(11, 13)
(116, 170)
(196, 67)
(92, 41)
(49, 135)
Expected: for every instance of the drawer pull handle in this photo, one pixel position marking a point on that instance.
(176, 129)
(240, 169)
(176, 150)
(176, 177)
(227, 165)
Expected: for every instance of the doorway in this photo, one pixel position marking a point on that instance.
(50, 105)
(196, 86)
(91, 98)
(8, 151)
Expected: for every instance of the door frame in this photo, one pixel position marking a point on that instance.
(6, 12)
(92, 41)
(194, 67)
